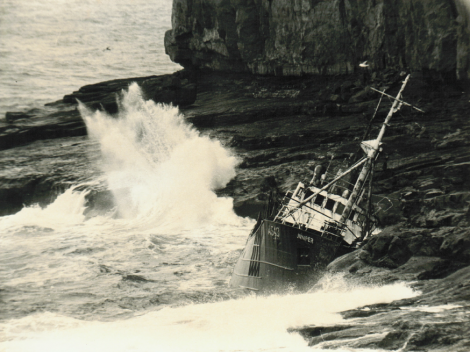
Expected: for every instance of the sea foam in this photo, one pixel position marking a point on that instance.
(248, 324)
(161, 171)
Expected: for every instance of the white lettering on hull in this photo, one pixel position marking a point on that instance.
(273, 231)
(305, 238)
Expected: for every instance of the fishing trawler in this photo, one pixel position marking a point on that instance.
(312, 225)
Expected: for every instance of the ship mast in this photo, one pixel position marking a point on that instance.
(372, 150)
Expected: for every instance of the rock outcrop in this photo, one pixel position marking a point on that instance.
(62, 119)
(281, 128)
(178, 89)
(433, 321)
(296, 37)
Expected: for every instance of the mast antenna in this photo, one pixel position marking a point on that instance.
(372, 149)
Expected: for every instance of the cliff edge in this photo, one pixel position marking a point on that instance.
(296, 37)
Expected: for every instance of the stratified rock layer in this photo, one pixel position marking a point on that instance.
(295, 37)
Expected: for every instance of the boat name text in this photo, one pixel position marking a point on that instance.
(273, 231)
(305, 238)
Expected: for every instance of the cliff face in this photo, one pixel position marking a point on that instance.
(295, 37)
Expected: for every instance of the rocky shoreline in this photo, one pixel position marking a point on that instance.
(280, 127)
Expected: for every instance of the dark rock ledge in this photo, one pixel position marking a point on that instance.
(436, 320)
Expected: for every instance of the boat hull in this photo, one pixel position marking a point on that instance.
(279, 256)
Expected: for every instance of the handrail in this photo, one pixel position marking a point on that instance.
(291, 214)
(324, 188)
(378, 204)
(298, 207)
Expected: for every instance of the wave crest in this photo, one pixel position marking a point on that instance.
(161, 171)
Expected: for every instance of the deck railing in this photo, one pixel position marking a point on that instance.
(305, 218)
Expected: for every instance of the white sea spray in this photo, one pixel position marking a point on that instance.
(161, 171)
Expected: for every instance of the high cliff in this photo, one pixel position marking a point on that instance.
(296, 37)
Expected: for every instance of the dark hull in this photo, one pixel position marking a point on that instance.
(279, 256)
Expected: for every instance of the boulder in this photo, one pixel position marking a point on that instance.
(424, 245)
(456, 246)
(361, 96)
(441, 269)
(387, 251)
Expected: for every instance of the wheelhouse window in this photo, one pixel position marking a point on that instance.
(319, 200)
(308, 192)
(330, 203)
(339, 208)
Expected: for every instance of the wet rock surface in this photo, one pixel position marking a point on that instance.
(281, 128)
(62, 119)
(436, 320)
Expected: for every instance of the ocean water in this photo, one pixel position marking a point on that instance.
(150, 271)
(49, 48)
